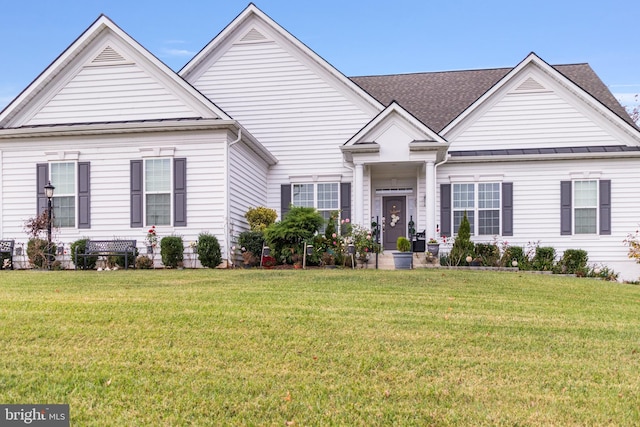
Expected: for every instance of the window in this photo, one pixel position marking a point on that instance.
(478, 200)
(157, 191)
(63, 178)
(322, 196)
(585, 206)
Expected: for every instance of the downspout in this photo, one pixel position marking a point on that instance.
(227, 224)
(435, 181)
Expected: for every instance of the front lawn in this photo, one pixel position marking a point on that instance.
(322, 347)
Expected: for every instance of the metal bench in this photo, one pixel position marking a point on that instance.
(6, 253)
(126, 248)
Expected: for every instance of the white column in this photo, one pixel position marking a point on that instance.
(358, 203)
(430, 199)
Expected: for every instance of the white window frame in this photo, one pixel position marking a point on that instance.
(575, 207)
(58, 194)
(473, 212)
(315, 203)
(148, 192)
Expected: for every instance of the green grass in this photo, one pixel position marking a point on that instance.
(251, 347)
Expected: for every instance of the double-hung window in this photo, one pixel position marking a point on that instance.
(324, 197)
(585, 206)
(481, 201)
(63, 178)
(157, 191)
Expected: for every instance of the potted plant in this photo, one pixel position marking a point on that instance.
(433, 247)
(402, 259)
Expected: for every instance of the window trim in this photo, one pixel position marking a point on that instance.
(595, 207)
(56, 194)
(475, 228)
(169, 192)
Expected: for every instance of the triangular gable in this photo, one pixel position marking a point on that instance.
(395, 134)
(253, 26)
(106, 76)
(519, 110)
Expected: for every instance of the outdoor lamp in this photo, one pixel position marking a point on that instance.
(309, 250)
(351, 249)
(48, 190)
(266, 251)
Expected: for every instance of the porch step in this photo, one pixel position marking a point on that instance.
(385, 261)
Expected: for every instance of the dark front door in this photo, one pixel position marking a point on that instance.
(394, 220)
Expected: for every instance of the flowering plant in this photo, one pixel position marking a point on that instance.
(152, 237)
(633, 242)
(364, 242)
(432, 241)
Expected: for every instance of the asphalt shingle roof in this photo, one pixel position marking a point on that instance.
(436, 98)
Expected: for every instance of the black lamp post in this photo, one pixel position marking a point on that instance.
(48, 191)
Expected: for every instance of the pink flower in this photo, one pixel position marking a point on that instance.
(347, 220)
(334, 235)
(334, 242)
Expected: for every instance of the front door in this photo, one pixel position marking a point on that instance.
(394, 220)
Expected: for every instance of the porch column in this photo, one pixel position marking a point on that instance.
(358, 205)
(430, 199)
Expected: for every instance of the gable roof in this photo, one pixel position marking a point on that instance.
(437, 98)
(104, 46)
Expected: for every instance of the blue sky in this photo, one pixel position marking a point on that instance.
(358, 37)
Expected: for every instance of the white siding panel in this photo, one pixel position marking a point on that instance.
(536, 204)
(112, 93)
(110, 200)
(294, 112)
(532, 120)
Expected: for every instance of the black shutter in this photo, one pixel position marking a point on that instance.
(565, 208)
(180, 192)
(445, 210)
(42, 178)
(605, 207)
(285, 199)
(507, 208)
(84, 195)
(137, 193)
(345, 203)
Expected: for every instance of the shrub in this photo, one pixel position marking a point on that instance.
(462, 246)
(143, 262)
(544, 259)
(208, 249)
(251, 242)
(37, 253)
(488, 253)
(515, 253)
(171, 251)
(119, 259)
(80, 245)
(603, 272)
(574, 261)
(403, 244)
(298, 226)
(260, 218)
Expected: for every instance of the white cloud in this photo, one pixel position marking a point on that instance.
(628, 99)
(177, 52)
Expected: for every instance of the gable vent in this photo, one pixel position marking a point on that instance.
(530, 84)
(108, 55)
(253, 36)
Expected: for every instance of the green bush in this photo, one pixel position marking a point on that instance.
(515, 253)
(80, 245)
(403, 244)
(544, 259)
(574, 261)
(489, 254)
(462, 246)
(119, 259)
(143, 262)
(37, 252)
(208, 250)
(171, 251)
(298, 226)
(252, 241)
(260, 218)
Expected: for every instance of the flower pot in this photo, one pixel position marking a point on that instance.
(433, 248)
(402, 260)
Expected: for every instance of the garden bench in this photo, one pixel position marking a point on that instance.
(126, 248)
(6, 252)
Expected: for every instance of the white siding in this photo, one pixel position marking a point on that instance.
(112, 93)
(532, 120)
(536, 204)
(247, 184)
(110, 186)
(294, 110)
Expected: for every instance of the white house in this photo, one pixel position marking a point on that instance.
(533, 153)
